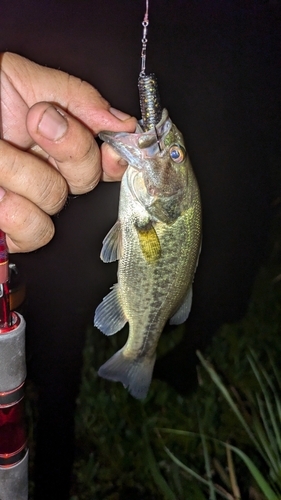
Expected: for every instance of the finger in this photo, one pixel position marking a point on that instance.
(26, 226)
(35, 83)
(71, 145)
(29, 176)
(113, 166)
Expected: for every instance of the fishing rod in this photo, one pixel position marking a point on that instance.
(13, 441)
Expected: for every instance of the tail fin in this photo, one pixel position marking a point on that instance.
(135, 374)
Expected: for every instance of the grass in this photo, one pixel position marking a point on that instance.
(264, 417)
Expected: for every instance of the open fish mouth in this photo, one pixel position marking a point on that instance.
(140, 145)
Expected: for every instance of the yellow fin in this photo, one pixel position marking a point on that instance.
(149, 242)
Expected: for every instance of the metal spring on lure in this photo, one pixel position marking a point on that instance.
(151, 110)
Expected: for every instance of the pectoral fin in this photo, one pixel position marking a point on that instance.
(109, 315)
(183, 312)
(111, 245)
(149, 242)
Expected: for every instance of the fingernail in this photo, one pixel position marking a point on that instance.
(119, 114)
(123, 163)
(2, 193)
(53, 125)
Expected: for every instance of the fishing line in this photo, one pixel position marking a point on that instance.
(151, 110)
(145, 24)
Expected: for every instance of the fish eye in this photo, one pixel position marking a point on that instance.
(177, 153)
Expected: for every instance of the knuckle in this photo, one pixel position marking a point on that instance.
(82, 187)
(53, 193)
(83, 173)
(28, 230)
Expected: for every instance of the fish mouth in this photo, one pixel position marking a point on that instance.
(140, 145)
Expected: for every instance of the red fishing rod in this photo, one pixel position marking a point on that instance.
(13, 445)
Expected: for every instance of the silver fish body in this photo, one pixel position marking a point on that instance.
(157, 241)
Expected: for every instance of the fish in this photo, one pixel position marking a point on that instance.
(156, 240)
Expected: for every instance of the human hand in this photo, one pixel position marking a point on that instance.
(49, 120)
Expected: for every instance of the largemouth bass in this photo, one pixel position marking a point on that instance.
(156, 240)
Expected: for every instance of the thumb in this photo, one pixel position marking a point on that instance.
(70, 145)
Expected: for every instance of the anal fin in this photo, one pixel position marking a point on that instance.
(183, 312)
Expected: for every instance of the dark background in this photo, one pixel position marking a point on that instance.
(218, 68)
